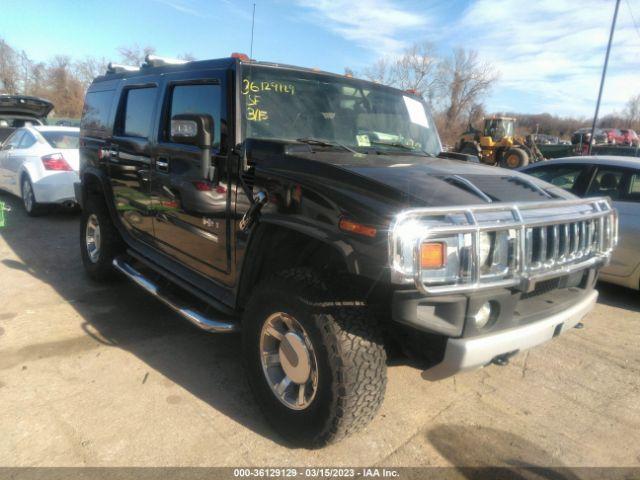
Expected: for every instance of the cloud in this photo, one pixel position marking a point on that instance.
(183, 6)
(378, 25)
(553, 51)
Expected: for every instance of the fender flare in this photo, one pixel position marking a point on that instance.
(249, 268)
(105, 185)
(332, 239)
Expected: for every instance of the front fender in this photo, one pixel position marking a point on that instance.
(327, 236)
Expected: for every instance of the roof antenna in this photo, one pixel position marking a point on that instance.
(253, 22)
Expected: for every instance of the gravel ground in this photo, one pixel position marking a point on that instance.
(95, 375)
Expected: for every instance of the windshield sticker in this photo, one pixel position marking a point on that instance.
(416, 111)
(249, 86)
(363, 140)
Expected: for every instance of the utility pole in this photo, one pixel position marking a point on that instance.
(604, 73)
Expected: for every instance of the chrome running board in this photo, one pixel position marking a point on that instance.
(199, 320)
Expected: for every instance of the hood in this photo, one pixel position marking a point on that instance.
(25, 105)
(373, 188)
(442, 182)
(399, 181)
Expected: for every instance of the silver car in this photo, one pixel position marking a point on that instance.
(614, 177)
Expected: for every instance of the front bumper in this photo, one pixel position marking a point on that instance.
(470, 353)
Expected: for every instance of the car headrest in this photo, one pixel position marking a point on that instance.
(608, 181)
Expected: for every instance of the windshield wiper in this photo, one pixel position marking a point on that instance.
(324, 143)
(401, 145)
(393, 144)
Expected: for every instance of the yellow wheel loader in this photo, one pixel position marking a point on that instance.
(497, 144)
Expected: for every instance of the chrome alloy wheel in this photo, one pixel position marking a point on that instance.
(27, 195)
(288, 361)
(92, 238)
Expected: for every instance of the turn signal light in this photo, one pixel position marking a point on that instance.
(432, 255)
(56, 161)
(353, 227)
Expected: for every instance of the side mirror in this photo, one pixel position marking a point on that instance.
(195, 129)
(192, 129)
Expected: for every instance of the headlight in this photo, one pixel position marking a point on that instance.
(445, 259)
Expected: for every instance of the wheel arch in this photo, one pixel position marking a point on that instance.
(29, 171)
(274, 246)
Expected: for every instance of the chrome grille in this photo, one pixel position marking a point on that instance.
(561, 243)
(539, 240)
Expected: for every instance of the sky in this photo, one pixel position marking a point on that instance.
(549, 53)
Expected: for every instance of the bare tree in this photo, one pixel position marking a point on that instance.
(189, 57)
(65, 90)
(89, 68)
(9, 72)
(632, 112)
(415, 69)
(463, 81)
(134, 54)
(380, 72)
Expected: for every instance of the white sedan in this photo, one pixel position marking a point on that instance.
(40, 164)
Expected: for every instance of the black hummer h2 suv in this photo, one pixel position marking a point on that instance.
(317, 214)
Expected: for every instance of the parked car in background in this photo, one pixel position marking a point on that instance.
(18, 111)
(40, 164)
(583, 135)
(614, 136)
(630, 137)
(609, 176)
(543, 139)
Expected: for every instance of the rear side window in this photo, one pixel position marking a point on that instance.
(607, 183)
(61, 139)
(13, 141)
(27, 141)
(563, 176)
(202, 99)
(97, 107)
(138, 112)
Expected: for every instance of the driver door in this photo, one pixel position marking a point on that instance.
(191, 220)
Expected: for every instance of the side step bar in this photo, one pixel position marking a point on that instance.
(198, 319)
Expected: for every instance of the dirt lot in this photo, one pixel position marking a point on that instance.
(106, 375)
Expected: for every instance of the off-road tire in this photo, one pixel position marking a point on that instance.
(26, 188)
(111, 243)
(514, 158)
(350, 354)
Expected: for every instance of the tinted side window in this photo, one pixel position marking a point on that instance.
(97, 107)
(607, 183)
(138, 112)
(27, 140)
(563, 176)
(203, 99)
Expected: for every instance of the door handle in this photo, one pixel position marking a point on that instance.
(162, 164)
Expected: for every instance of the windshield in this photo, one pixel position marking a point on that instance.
(61, 139)
(497, 128)
(290, 105)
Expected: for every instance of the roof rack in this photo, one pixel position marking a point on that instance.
(156, 61)
(117, 68)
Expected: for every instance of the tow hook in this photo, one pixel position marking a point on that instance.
(579, 325)
(250, 216)
(503, 360)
